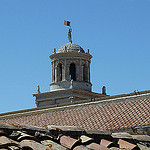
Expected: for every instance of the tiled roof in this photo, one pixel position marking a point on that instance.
(112, 113)
(23, 137)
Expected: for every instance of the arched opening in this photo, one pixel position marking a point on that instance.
(59, 72)
(72, 72)
(85, 73)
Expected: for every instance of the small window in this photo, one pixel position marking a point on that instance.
(73, 72)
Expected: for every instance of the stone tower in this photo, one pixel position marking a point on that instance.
(70, 68)
(70, 77)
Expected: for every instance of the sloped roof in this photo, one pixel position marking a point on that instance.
(110, 113)
(23, 137)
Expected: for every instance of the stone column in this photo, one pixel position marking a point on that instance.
(56, 74)
(67, 72)
(53, 73)
(64, 70)
(78, 72)
(88, 71)
(81, 73)
(63, 73)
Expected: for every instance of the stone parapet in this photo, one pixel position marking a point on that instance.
(63, 85)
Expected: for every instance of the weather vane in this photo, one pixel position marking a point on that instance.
(67, 23)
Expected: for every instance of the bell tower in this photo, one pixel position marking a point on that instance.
(70, 76)
(70, 68)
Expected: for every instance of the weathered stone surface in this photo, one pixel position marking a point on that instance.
(64, 97)
(7, 126)
(53, 145)
(34, 145)
(85, 139)
(64, 128)
(70, 47)
(115, 148)
(122, 135)
(142, 147)
(141, 137)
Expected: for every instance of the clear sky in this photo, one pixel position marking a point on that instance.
(117, 32)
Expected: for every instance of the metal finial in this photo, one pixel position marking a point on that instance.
(67, 23)
(69, 35)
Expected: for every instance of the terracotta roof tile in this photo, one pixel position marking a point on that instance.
(126, 145)
(127, 113)
(66, 138)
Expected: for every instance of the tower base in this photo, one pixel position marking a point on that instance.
(64, 96)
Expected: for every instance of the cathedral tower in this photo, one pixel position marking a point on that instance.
(70, 76)
(70, 68)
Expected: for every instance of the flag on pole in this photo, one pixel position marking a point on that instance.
(67, 23)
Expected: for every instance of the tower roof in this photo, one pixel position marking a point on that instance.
(70, 47)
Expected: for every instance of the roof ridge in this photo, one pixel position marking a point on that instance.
(59, 107)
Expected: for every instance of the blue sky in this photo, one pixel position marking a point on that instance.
(117, 32)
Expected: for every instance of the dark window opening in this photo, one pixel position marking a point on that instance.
(59, 77)
(72, 72)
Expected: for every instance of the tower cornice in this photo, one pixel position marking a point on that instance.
(69, 54)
